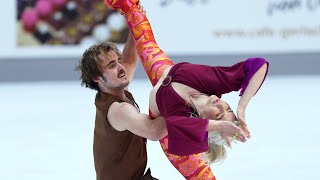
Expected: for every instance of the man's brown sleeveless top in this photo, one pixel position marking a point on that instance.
(118, 155)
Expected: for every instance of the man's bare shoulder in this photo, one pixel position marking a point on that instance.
(119, 113)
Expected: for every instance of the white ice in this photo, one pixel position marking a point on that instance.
(46, 132)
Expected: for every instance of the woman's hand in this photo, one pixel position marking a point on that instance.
(241, 115)
(228, 130)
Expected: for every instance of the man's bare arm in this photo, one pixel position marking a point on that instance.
(130, 57)
(124, 116)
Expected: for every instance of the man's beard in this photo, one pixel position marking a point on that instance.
(121, 86)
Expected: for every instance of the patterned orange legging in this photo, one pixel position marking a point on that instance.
(154, 61)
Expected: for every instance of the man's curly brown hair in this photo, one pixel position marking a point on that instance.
(91, 66)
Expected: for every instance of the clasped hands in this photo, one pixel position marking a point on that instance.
(237, 130)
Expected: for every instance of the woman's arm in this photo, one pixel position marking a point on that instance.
(189, 135)
(227, 129)
(219, 80)
(253, 86)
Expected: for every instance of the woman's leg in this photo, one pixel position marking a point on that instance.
(154, 61)
(191, 167)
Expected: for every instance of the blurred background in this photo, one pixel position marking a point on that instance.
(47, 118)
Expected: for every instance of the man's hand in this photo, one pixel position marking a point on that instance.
(141, 8)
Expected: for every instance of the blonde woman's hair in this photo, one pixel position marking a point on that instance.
(216, 153)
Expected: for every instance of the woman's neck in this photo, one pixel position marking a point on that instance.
(197, 101)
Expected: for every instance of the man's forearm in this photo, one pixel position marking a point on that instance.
(159, 128)
(130, 55)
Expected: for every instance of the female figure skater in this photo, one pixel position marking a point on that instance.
(188, 97)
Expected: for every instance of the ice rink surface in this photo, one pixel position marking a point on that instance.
(46, 132)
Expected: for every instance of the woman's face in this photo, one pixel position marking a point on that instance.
(217, 109)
